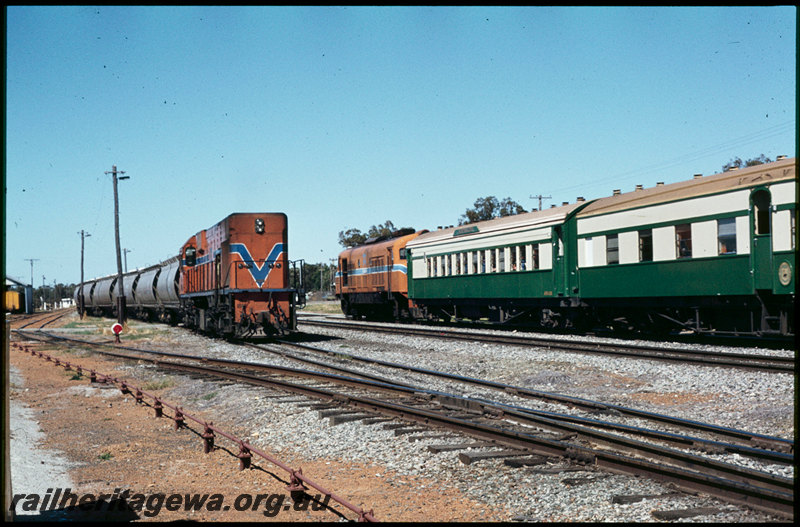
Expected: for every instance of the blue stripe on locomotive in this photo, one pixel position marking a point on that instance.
(259, 273)
(375, 270)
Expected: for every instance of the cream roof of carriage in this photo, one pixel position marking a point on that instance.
(781, 170)
(506, 224)
(784, 169)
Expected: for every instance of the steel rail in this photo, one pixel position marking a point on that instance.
(460, 401)
(46, 318)
(490, 406)
(721, 472)
(771, 363)
(708, 445)
(297, 479)
(757, 440)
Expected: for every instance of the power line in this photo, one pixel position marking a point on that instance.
(766, 133)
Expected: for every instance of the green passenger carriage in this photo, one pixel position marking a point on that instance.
(711, 254)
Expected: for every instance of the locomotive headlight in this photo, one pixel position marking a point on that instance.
(259, 226)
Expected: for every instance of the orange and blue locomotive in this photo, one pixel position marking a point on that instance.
(235, 279)
(372, 279)
(231, 280)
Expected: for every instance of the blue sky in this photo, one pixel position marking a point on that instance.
(348, 117)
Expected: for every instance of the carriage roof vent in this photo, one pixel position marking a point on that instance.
(779, 158)
(660, 184)
(639, 187)
(698, 176)
(580, 199)
(617, 192)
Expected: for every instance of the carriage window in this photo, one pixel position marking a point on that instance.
(646, 245)
(612, 249)
(726, 236)
(501, 260)
(683, 240)
(792, 221)
(403, 253)
(514, 258)
(535, 256)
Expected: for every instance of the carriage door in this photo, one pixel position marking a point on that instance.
(559, 262)
(761, 239)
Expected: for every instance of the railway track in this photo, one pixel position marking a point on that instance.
(44, 319)
(524, 433)
(761, 362)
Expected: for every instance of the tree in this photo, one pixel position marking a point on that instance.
(353, 237)
(738, 163)
(386, 229)
(489, 208)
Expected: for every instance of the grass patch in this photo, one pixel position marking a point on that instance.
(159, 384)
(209, 396)
(323, 307)
(106, 456)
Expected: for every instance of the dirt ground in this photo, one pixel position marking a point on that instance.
(117, 445)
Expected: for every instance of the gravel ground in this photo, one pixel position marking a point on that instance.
(758, 402)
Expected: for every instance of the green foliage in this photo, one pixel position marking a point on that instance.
(46, 292)
(351, 238)
(489, 208)
(318, 276)
(354, 237)
(738, 163)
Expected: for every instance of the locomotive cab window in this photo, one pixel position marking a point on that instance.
(190, 256)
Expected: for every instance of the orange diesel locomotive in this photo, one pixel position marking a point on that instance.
(234, 277)
(372, 278)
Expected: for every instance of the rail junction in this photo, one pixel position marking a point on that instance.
(524, 434)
